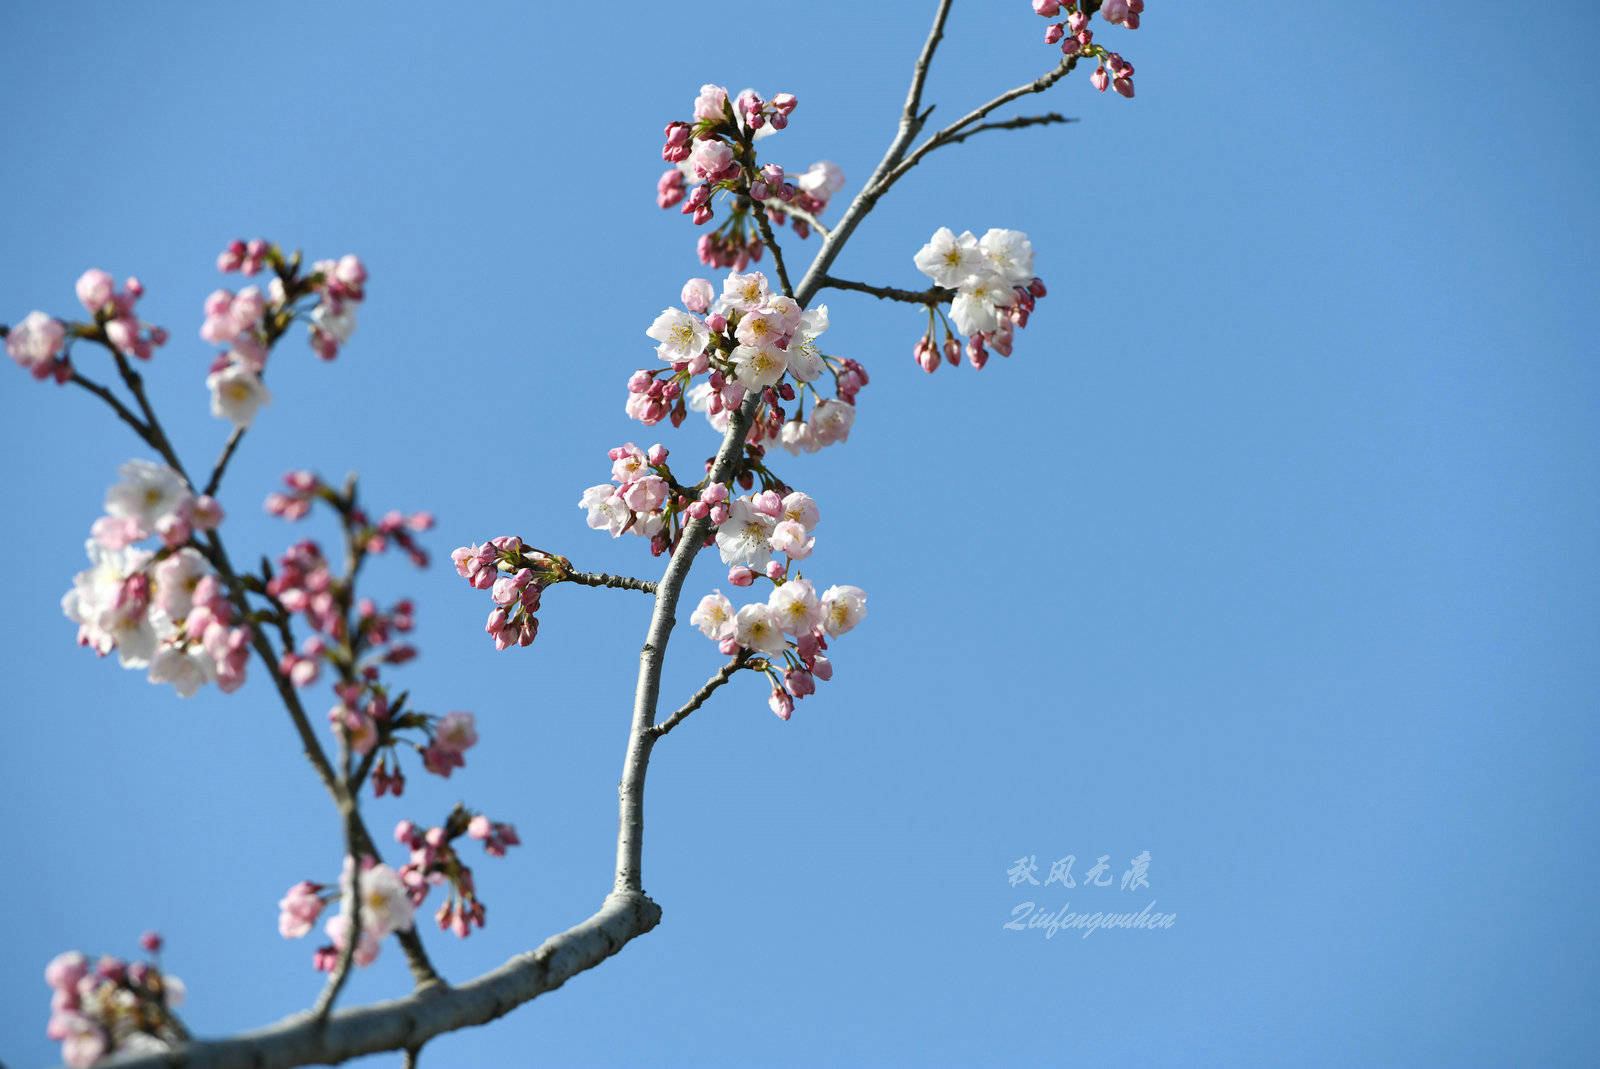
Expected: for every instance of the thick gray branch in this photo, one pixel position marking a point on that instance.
(408, 1022)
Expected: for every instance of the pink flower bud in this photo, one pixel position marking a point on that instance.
(739, 575)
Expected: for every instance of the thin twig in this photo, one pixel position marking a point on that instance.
(1010, 124)
(700, 695)
(932, 296)
(122, 410)
(351, 894)
(620, 582)
(222, 461)
(760, 212)
(913, 117)
(945, 136)
(911, 120)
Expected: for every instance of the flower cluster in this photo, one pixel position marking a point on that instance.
(715, 153)
(304, 487)
(36, 344)
(386, 906)
(114, 1005)
(516, 593)
(747, 338)
(39, 342)
(793, 623)
(1076, 39)
(250, 321)
(435, 862)
(993, 292)
(159, 609)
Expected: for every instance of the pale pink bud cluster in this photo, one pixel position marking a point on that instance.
(342, 285)
(435, 862)
(453, 735)
(36, 345)
(113, 311)
(711, 155)
(111, 1005)
(1076, 39)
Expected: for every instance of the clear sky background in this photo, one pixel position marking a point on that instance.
(1270, 552)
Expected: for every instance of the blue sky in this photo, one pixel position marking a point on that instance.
(1270, 551)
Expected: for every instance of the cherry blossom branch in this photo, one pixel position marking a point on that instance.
(122, 410)
(910, 124)
(932, 296)
(1011, 124)
(619, 582)
(410, 1021)
(760, 212)
(702, 694)
(948, 134)
(352, 933)
(910, 119)
(222, 461)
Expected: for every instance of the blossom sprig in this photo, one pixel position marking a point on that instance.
(435, 862)
(251, 321)
(113, 1005)
(747, 338)
(165, 609)
(1076, 39)
(715, 153)
(516, 576)
(991, 288)
(41, 343)
(385, 907)
(786, 636)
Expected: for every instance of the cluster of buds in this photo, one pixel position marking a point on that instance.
(1076, 39)
(386, 907)
(991, 288)
(747, 338)
(785, 636)
(435, 862)
(515, 575)
(159, 609)
(302, 488)
(38, 344)
(113, 1005)
(336, 285)
(714, 153)
(250, 321)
